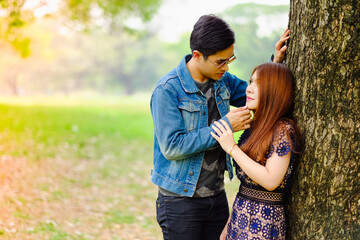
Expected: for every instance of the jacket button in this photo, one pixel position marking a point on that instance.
(191, 173)
(203, 113)
(185, 190)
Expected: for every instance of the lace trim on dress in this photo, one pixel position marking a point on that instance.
(268, 197)
(283, 139)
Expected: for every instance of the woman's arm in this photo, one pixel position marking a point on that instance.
(224, 231)
(269, 176)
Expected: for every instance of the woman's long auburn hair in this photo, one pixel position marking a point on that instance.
(276, 97)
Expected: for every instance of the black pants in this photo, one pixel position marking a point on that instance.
(184, 218)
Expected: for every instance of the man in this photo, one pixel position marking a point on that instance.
(188, 163)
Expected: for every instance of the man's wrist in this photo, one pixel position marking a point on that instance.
(227, 120)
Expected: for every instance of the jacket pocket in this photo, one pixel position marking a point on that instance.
(190, 112)
(225, 98)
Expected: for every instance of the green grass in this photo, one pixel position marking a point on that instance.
(68, 130)
(78, 169)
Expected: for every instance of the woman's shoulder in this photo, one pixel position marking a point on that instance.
(285, 125)
(286, 132)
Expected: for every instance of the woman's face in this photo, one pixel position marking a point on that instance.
(252, 93)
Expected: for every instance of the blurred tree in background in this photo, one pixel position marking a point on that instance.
(13, 18)
(115, 11)
(253, 48)
(16, 30)
(88, 47)
(15, 14)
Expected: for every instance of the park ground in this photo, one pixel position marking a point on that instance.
(78, 169)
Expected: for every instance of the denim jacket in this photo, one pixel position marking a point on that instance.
(182, 134)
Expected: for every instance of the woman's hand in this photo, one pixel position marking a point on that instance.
(224, 135)
(223, 233)
(280, 47)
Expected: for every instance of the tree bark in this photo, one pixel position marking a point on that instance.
(13, 84)
(323, 55)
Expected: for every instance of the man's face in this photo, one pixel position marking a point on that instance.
(216, 65)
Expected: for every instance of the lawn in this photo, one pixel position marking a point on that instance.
(78, 169)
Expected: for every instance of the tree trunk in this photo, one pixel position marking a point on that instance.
(324, 57)
(13, 84)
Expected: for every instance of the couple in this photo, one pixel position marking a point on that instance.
(194, 141)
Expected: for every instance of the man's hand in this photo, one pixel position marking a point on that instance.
(239, 118)
(280, 47)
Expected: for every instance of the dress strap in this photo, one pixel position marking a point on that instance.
(276, 198)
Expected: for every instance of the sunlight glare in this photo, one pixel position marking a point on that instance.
(42, 7)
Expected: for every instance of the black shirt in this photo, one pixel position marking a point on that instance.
(211, 180)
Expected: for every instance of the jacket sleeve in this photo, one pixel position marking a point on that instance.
(174, 140)
(237, 91)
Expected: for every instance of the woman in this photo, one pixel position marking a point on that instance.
(264, 156)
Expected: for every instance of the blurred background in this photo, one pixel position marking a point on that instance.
(76, 132)
(72, 47)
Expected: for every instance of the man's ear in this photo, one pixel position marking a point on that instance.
(197, 55)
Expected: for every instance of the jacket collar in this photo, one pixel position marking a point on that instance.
(187, 82)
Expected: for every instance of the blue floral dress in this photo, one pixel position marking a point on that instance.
(258, 213)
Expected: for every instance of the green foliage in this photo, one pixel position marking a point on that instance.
(253, 10)
(23, 46)
(80, 11)
(123, 61)
(250, 48)
(15, 19)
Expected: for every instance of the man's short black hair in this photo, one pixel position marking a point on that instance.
(210, 35)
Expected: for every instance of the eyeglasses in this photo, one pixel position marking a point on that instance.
(230, 60)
